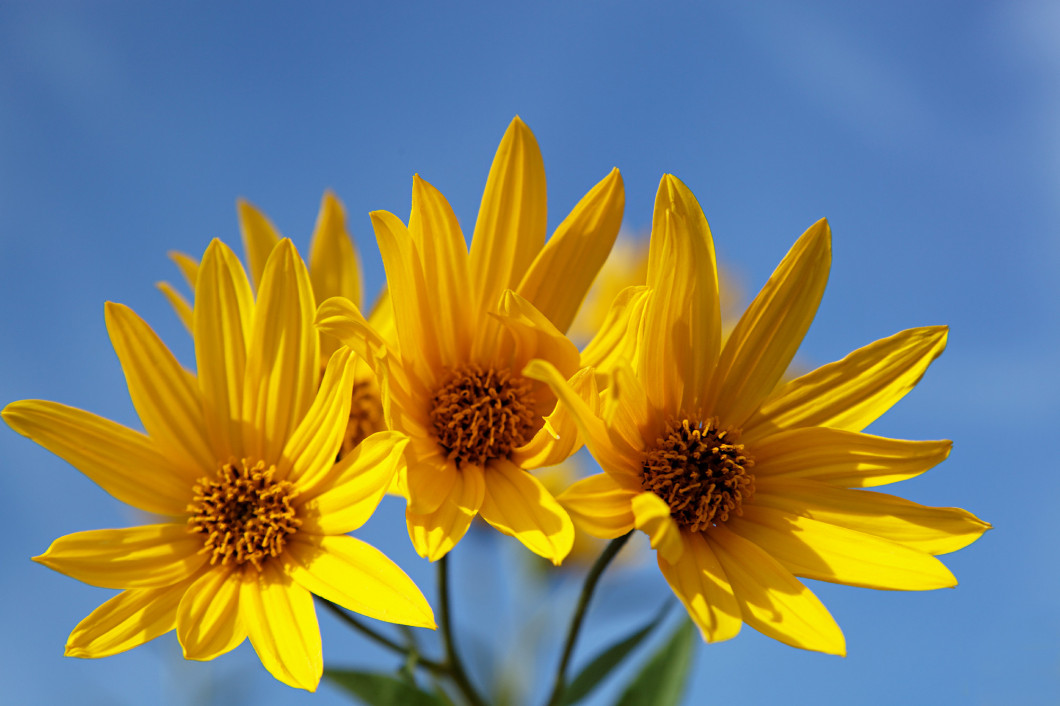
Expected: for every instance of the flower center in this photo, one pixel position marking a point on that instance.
(366, 416)
(700, 471)
(482, 413)
(244, 513)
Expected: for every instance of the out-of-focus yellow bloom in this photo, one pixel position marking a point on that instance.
(466, 324)
(742, 485)
(240, 459)
(334, 271)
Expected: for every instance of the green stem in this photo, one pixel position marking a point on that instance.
(436, 668)
(591, 579)
(456, 667)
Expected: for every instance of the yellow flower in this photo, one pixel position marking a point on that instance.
(240, 458)
(334, 271)
(742, 485)
(466, 324)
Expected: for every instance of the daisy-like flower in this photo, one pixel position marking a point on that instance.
(240, 460)
(742, 485)
(467, 324)
(334, 271)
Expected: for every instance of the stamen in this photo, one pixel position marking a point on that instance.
(481, 414)
(700, 471)
(245, 515)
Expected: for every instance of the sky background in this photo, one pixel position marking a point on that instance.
(927, 133)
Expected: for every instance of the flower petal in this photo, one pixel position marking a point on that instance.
(208, 622)
(283, 362)
(764, 341)
(434, 534)
(280, 620)
(311, 451)
(221, 324)
(844, 458)
(123, 462)
(771, 600)
(340, 318)
(617, 338)
(440, 243)
(851, 393)
(558, 437)
(358, 577)
(534, 336)
(134, 557)
(344, 500)
(935, 530)
(511, 225)
(702, 586)
(564, 269)
(682, 322)
(429, 480)
(518, 505)
(127, 620)
(651, 515)
(334, 267)
(178, 302)
(164, 394)
(259, 238)
(600, 506)
(188, 265)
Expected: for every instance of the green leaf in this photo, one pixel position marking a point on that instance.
(380, 689)
(605, 662)
(663, 679)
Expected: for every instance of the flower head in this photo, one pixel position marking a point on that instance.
(467, 323)
(741, 484)
(240, 460)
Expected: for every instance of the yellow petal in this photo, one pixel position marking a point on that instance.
(311, 451)
(682, 322)
(283, 360)
(221, 322)
(179, 303)
(259, 238)
(771, 600)
(429, 480)
(762, 344)
(511, 225)
(127, 620)
(563, 271)
(558, 437)
(600, 506)
(440, 242)
(651, 515)
(208, 623)
(345, 499)
(358, 577)
(134, 557)
(340, 318)
(164, 394)
(123, 462)
(702, 586)
(851, 393)
(518, 505)
(844, 458)
(825, 552)
(616, 341)
(334, 267)
(189, 266)
(280, 619)
(934, 530)
(434, 534)
(628, 412)
(534, 335)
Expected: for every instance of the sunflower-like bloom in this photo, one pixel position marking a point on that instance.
(467, 324)
(740, 484)
(240, 460)
(334, 271)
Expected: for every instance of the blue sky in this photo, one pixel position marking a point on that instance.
(927, 133)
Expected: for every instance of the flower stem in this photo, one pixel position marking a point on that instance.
(456, 667)
(436, 668)
(591, 579)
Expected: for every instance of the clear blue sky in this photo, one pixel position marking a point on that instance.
(928, 134)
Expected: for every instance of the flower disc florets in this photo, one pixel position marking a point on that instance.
(482, 413)
(245, 514)
(700, 471)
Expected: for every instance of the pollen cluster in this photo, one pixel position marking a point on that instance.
(700, 471)
(245, 515)
(482, 413)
